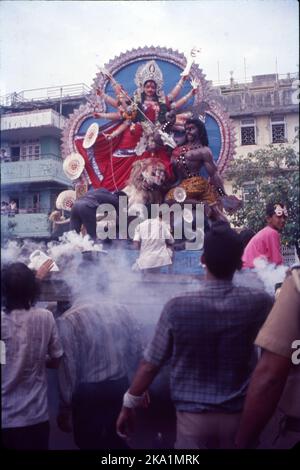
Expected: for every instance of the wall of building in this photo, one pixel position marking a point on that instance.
(50, 145)
(33, 175)
(24, 225)
(265, 97)
(264, 133)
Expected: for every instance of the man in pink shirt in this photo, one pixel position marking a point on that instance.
(266, 243)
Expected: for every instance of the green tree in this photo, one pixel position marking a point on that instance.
(274, 176)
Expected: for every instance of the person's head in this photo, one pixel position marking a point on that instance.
(20, 287)
(222, 251)
(246, 235)
(195, 131)
(91, 275)
(149, 89)
(276, 215)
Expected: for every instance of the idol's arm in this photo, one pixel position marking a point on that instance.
(120, 129)
(108, 99)
(176, 90)
(111, 116)
(184, 99)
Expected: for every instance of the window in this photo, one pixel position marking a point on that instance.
(248, 133)
(278, 129)
(15, 153)
(33, 203)
(249, 190)
(23, 152)
(36, 202)
(26, 150)
(36, 151)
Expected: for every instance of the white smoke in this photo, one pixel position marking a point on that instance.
(125, 285)
(11, 252)
(264, 276)
(14, 251)
(144, 296)
(270, 274)
(70, 243)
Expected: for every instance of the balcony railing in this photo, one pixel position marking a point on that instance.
(248, 80)
(47, 168)
(31, 157)
(25, 225)
(32, 119)
(27, 210)
(46, 94)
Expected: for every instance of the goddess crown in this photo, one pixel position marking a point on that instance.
(149, 71)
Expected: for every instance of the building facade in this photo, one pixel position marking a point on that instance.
(264, 111)
(31, 165)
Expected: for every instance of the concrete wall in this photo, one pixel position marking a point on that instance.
(25, 225)
(50, 145)
(264, 133)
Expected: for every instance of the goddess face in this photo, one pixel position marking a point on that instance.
(150, 88)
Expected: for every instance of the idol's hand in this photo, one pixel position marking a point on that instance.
(108, 137)
(194, 85)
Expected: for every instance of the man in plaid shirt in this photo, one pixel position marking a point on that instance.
(208, 338)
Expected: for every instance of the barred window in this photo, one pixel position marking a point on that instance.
(249, 190)
(248, 134)
(278, 129)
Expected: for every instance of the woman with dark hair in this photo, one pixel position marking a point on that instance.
(31, 343)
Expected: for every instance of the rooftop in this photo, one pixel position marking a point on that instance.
(44, 97)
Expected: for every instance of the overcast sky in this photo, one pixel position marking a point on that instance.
(51, 43)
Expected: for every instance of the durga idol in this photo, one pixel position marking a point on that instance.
(134, 123)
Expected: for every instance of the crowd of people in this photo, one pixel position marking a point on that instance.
(208, 342)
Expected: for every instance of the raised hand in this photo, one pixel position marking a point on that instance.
(44, 269)
(194, 85)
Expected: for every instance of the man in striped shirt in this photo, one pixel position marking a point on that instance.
(32, 343)
(101, 344)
